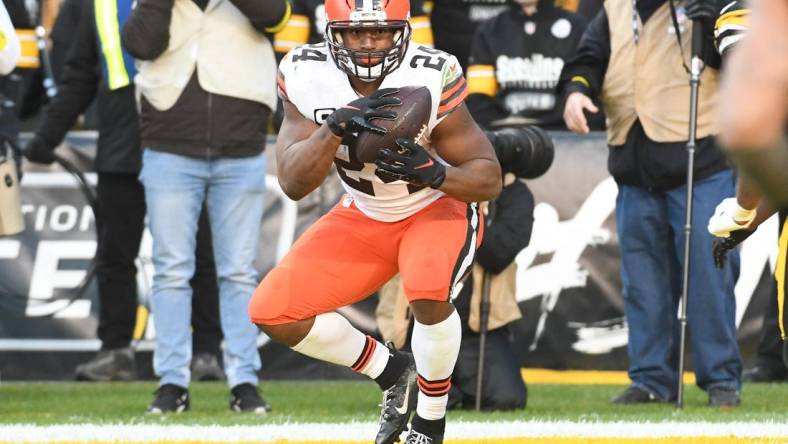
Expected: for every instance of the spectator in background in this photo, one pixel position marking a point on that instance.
(454, 23)
(97, 67)
(586, 8)
(10, 51)
(516, 60)
(639, 73)
(205, 106)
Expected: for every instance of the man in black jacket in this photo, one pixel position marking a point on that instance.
(120, 198)
(632, 55)
(516, 60)
(207, 84)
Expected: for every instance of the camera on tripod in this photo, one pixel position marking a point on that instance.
(526, 151)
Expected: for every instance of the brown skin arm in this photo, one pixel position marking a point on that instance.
(475, 174)
(304, 153)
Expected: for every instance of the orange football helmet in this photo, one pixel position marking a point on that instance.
(349, 14)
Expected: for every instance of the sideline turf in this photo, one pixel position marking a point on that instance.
(331, 401)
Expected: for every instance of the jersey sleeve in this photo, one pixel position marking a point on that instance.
(731, 25)
(454, 88)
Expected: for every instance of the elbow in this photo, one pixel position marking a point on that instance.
(292, 190)
(493, 183)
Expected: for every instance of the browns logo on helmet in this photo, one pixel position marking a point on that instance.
(367, 65)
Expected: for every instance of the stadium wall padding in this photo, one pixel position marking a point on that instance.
(568, 284)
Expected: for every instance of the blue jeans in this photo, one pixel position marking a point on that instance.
(175, 188)
(651, 236)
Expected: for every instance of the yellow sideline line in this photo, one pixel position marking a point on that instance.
(543, 439)
(545, 376)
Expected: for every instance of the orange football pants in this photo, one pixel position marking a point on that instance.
(346, 256)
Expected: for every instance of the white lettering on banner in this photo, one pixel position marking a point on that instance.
(536, 71)
(566, 241)
(61, 219)
(9, 249)
(47, 276)
(60, 223)
(516, 102)
(478, 13)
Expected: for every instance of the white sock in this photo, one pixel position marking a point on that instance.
(334, 339)
(435, 349)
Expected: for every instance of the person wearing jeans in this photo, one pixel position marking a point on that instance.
(638, 74)
(207, 78)
(651, 235)
(175, 187)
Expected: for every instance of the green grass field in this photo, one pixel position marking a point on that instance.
(340, 402)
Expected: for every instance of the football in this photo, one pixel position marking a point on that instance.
(412, 118)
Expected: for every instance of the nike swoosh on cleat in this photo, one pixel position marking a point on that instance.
(404, 409)
(425, 165)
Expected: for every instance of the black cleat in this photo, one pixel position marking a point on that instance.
(416, 437)
(634, 395)
(109, 365)
(245, 398)
(399, 402)
(170, 398)
(724, 398)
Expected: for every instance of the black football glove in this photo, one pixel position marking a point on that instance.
(38, 151)
(355, 116)
(704, 10)
(722, 245)
(411, 163)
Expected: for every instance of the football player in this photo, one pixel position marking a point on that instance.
(754, 117)
(413, 211)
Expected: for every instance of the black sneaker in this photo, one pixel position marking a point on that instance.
(634, 395)
(724, 397)
(245, 398)
(415, 437)
(398, 404)
(109, 365)
(170, 398)
(205, 367)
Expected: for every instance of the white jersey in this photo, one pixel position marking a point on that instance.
(309, 79)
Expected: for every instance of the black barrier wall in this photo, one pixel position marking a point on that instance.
(568, 285)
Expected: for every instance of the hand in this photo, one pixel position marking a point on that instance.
(700, 10)
(573, 112)
(39, 152)
(721, 247)
(355, 116)
(411, 163)
(729, 217)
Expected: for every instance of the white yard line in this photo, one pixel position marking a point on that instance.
(357, 431)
